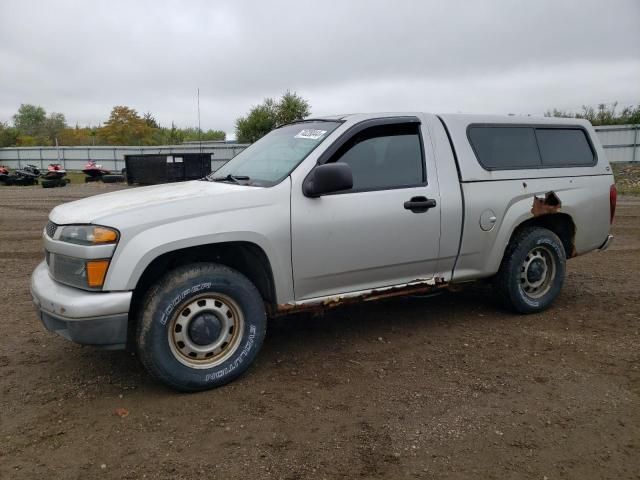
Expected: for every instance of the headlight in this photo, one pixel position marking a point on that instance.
(88, 235)
(79, 272)
(85, 262)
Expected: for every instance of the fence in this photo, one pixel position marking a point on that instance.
(111, 158)
(621, 142)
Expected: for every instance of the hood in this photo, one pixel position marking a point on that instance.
(93, 209)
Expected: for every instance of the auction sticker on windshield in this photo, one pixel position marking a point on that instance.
(311, 134)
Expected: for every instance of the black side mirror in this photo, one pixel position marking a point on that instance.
(327, 178)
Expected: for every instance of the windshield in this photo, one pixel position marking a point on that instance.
(269, 160)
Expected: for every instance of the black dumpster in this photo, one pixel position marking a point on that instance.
(150, 169)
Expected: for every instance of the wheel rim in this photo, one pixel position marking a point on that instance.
(537, 272)
(206, 330)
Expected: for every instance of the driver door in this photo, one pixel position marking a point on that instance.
(369, 237)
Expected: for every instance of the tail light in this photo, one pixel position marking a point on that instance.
(613, 199)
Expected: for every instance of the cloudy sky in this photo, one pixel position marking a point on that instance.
(497, 56)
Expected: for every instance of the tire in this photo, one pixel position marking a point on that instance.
(112, 178)
(532, 270)
(49, 183)
(226, 313)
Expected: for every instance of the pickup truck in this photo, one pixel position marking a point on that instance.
(319, 213)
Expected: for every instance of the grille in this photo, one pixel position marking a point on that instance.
(51, 229)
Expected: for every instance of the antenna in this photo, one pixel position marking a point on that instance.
(199, 129)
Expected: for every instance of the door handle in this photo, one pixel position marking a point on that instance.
(419, 204)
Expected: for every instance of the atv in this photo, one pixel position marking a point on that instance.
(54, 176)
(27, 175)
(94, 172)
(4, 174)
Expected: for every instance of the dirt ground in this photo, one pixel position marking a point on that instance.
(444, 387)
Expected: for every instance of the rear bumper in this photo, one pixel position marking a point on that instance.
(606, 244)
(90, 318)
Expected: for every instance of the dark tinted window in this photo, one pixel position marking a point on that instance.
(500, 148)
(384, 157)
(564, 147)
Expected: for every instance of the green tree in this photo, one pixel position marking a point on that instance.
(175, 135)
(53, 125)
(291, 107)
(263, 118)
(8, 135)
(30, 119)
(150, 120)
(603, 114)
(191, 135)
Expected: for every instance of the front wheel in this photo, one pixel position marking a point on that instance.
(201, 327)
(532, 270)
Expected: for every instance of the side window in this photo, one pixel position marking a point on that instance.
(386, 156)
(564, 147)
(511, 148)
(502, 148)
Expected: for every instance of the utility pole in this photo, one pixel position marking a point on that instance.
(199, 129)
(58, 152)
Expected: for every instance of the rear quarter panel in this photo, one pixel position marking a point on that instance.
(585, 199)
(583, 193)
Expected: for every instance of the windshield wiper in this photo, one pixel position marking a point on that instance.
(231, 178)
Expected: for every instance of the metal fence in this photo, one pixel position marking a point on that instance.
(621, 142)
(112, 158)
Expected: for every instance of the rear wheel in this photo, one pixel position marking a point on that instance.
(532, 270)
(201, 327)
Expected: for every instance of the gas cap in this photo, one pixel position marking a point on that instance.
(488, 220)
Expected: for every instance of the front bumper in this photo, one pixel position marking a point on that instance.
(90, 318)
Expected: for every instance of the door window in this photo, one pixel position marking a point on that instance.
(384, 157)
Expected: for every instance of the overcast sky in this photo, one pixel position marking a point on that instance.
(497, 56)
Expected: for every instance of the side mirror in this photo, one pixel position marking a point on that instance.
(327, 178)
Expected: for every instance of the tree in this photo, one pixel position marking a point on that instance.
(291, 107)
(125, 127)
(191, 135)
(30, 119)
(260, 121)
(53, 125)
(150, 120)
(263, 118)
(8, 135)
(77, 136)
(603, 114)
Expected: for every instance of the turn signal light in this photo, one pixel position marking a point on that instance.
(104, 235)
(96, 272)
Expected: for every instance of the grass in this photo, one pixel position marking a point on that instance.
(627, 177)
(75, 176)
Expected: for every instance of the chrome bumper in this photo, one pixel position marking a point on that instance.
(92, 318)
(606, 244)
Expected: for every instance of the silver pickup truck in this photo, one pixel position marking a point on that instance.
(316, 214)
